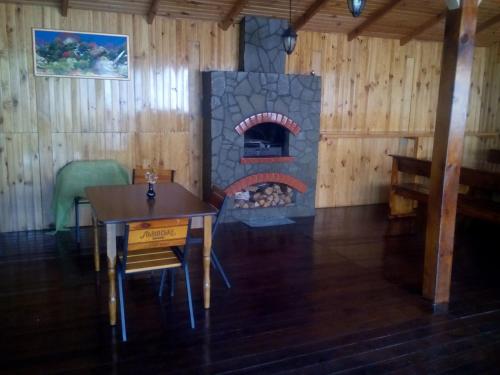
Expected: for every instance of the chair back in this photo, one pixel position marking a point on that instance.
(164, 175)
(155, 234)
(218, 199)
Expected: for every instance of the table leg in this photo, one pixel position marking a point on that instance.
(97, 263)
(111, 252)
(207, 248)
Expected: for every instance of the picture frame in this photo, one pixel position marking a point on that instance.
(75, 54)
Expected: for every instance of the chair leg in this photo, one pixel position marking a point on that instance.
(77, 221)
(172, 282)
(190, 300)
(97, 261)
(122, 305)
(162, 282)
(219, 268)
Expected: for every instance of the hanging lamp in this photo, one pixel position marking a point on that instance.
(289, 36)
(356, 6)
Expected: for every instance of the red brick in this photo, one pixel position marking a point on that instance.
(264, 117)
(266, 177)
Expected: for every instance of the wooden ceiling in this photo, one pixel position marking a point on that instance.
(402, 19)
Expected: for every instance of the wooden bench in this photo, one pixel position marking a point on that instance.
(475, 198)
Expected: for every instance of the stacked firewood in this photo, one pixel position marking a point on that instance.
(264, 195)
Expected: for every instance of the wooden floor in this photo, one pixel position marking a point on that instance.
(338, 294)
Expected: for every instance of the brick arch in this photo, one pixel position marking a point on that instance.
(273, 117)
(266, 177)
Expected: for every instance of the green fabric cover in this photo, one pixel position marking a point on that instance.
(74, 177)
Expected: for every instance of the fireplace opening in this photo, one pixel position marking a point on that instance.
(268, 194)
(266, 140)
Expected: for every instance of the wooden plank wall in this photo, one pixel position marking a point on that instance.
(154, 118)
(378, 98)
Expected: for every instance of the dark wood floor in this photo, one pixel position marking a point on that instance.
(338, 294)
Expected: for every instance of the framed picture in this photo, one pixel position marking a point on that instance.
(61, 53)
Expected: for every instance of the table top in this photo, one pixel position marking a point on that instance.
(118, 204)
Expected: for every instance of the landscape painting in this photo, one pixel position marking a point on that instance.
(63, 53)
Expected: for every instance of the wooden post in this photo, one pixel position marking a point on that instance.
(207, 248)
(456, 68)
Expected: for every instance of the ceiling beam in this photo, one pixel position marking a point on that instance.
(309, 13)
(153, 10)
(372, 19)
(420, 29)
(64, 8)
(487, 24)
(232, 14)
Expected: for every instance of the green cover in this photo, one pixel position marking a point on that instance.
(74, 177)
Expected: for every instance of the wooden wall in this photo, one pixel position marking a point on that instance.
(154, 118)
(378, 98)
(490, 110)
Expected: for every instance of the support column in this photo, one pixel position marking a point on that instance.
(456, 68)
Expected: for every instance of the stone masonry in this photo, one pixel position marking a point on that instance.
(231, 97)
(261, 46)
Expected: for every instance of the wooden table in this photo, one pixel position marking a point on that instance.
(116, 205)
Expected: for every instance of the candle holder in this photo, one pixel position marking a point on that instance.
(151, 178)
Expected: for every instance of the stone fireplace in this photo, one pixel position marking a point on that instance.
(261, 129)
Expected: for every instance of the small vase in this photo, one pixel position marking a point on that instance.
(151, 192)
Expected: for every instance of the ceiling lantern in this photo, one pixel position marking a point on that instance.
(289, 40)
(290, 35)
(356, 6)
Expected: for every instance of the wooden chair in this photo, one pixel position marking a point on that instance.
(154, 245)
(164, 175)
(138, 177)
(217, 199)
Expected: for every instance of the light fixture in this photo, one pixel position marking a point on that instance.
(356, 6)
(289, 36)
(453, 4)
